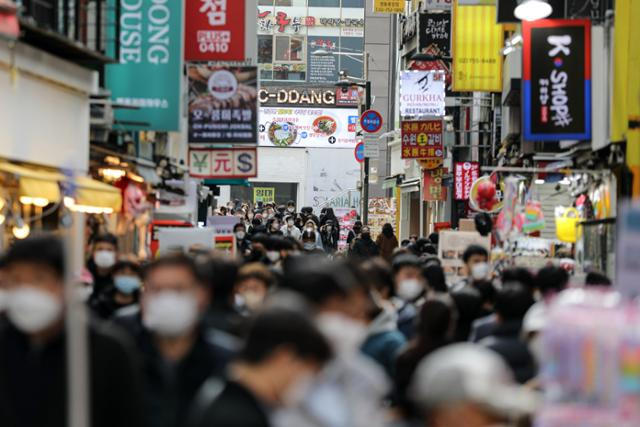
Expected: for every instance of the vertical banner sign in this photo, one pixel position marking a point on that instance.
(477, 41)
(434, 33)
(214, 30)
(388, 6)
(422, 93)
(223, 104)
(149, 71)
(422, 140)
(557, 79)
(465, 174)
(433, 191)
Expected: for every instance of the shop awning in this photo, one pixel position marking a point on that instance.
(35, 183)
(96, 194)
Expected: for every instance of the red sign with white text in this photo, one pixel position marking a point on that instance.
(465, 174)
(433, 190)
(214, 30)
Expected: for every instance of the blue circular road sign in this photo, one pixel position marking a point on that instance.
(359, 152)
(371, 121)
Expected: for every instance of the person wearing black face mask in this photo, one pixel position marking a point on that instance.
(364, 247)
(330, 234)
(357, 229)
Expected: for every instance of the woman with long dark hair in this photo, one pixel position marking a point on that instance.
(387, 242)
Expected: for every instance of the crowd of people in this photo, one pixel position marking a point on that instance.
(282, 335)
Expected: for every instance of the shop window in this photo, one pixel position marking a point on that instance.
(324, 3)
(352, 3)
(290, 72)
(289, 48)
(265, 49)
(282, 2)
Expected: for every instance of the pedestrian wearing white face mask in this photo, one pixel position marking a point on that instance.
(33, 381)
(124, 294)
(289, 228)
(311, 227)
(410, 287)
(283, 352)
(104, 255)
(243, 244)
(476, 261)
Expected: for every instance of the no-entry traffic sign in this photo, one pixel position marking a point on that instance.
(359, 152)
(371, 121)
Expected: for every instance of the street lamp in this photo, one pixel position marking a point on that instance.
(532, 10)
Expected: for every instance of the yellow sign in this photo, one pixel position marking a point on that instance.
(389, 6)
(264, 194)
(477, 41)
(430, 164)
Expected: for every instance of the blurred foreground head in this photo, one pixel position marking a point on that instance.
(465, 384)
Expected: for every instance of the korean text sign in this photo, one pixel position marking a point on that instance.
(264, 194)
(214, 30)
(422, 93)
(422, 139)
(388, 6)
(433, 190)
(223, 163)
(434, 33)
(557, 79)
(465, 174)
(223, 104)
(477, 41)
(149, 71)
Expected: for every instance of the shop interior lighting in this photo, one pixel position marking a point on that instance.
(41, 202)
(539, 181)
(112, 174)
(71, 205)
(112, 160)
(20, 229)
(532, 10)
(135, 177)
(565, 181)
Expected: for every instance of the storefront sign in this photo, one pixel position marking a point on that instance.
(223, 104)
(433, 190)
(214, 30)
(286, 20)
(223, 163)
(434, 35)
(389, 6)
(590, 9)
(9, 26)
(308, 127)
(422, 93)
(149, 73)
(437, 4)
(264, 195)
(422, 139)
(409, 28)
(306, 97)
(557, 80)
(477, 41)
(465, 174)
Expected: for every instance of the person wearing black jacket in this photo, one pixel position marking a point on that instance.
(365, 247)
(330, 234)
(33, 362)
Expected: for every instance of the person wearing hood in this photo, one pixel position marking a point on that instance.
(307, 214)
(312, 227)
(104, 255)
(354, 233)
(387, 242)
(364, 247)
(327, 214)
(289, 228)
(476, 261)
(291, 208)
(243, 244)
(330, 235)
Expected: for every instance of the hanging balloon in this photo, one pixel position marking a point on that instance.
(484, 196)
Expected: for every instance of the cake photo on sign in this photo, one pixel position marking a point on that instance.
(282, 134)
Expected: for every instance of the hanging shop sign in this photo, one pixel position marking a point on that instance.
(433, 190)
(422, 140)
(437, 4)
(590, 9)
(557, 80)
(464, 175)
(274, 96)
(288, 20)
(149, 71)
(223, 163)
(9, 26)
(409, 28)
(477, 41)
(214, 30)
(223, 104)
(506, 7)
(264, 195)
(389, 6)
(434, 34)
(422, 93)
(308, 127)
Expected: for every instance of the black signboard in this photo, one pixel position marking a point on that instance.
(592, 9)
(557, 80)
(506, 7)
(434, 34)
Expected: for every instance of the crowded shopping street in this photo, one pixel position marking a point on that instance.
(319, 213)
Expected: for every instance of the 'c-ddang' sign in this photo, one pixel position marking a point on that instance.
(422, 140)
(214, 30)
(223, 163)
(149, 73)
(557, 80)
(270, 96)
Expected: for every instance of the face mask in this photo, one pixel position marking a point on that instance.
(31, 309)
(273, 256)
(104, 259)
(329, 228)
(409, 289)
(291, 209)
(480, 271)
(296, 392)
(290, 224)
(309, 246)
(275, 227)
(250, 216)
(240, 235)
(126, 284)
(83, 292)
(345, 334)
(252, 300)
(309, 229)
(171, 313)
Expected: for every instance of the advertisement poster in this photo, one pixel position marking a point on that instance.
(223, 163)
(557, 80)
(264, 195)
(308, 127)
(331, 174)
(433, 190)
(347, 218)
(422, 93)
(223, 104)
(214, 30)
(451, 247)
(434, 33)
(477, 42)
(149, 71)
(464, 175)
(389, 6)
(382, 210)
(422, 139)
(222, 225)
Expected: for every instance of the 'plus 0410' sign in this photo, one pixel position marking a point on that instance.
(214, 30)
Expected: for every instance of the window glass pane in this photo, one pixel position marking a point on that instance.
(265, 49)
(352, 3)
(297, 45)
(282, 48)
(265, 2)
(324, 3)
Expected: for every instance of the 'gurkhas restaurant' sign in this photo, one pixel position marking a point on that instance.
(307, 97)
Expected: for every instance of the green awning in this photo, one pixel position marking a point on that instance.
(389, 183)
(242, 182)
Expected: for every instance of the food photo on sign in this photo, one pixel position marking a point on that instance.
(223, 104)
